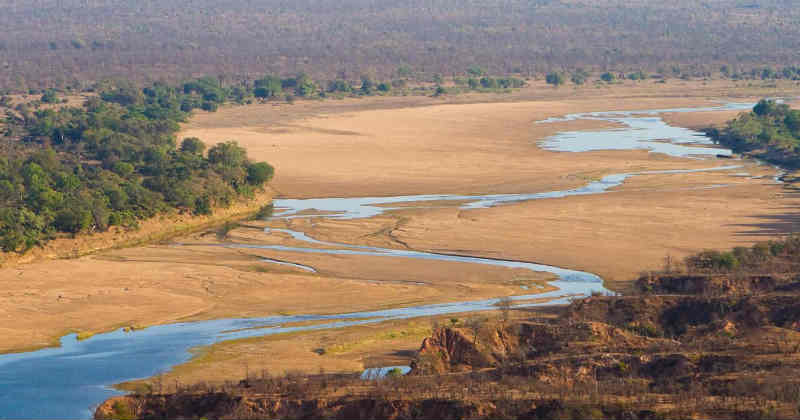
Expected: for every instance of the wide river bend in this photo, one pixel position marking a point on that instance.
(67, 381)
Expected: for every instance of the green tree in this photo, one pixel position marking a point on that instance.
(367, 85)
(488, 82)
(50, 97)
(764, 107)
(123, 169)
(475, 71)
(555, 79)
(259, 173)
(268, 87)
(73, 219)
(339, 85)
(193, 145)
(579, 77)
(384, 87)
(305, 87)
(209, 106)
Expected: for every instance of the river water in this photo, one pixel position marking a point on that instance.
(67, 381)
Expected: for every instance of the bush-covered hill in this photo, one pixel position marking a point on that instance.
(771, 131)
(114, 161)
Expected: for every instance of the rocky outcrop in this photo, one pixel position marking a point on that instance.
(449, 349)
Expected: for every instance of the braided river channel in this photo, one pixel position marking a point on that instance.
(69, 380)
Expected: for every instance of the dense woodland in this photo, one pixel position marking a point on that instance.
(114, 161)
(770, 132)
(66, 43)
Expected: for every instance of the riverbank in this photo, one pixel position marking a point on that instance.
(156, 229)
(475, 149)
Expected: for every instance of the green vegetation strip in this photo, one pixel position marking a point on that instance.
(113, 162)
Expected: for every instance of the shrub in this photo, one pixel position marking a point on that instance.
(555, 79)
(608, 77)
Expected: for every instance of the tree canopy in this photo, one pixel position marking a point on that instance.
(115, 161)
(771, 131)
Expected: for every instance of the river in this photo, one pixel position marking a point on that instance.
(67, 381)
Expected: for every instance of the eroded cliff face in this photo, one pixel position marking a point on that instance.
(456, 349)
(450, 349)
(725, 356)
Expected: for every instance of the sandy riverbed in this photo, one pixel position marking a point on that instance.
(392, 146)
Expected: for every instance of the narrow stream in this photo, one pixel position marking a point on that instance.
(66, 381)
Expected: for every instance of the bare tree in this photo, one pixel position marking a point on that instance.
(504, 304)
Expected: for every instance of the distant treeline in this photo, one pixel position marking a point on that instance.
(113, 162)
(67, 43)
(212, 91)
(771, 131)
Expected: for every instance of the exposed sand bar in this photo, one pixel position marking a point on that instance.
(460, 148)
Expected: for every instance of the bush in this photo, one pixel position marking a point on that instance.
(50, 97)
(555, 79)
(608, 77)
(73, 220)
(123, 169)
(209, 106)
(712, 261)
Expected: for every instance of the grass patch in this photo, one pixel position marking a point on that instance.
(411, 331)
(259, 269)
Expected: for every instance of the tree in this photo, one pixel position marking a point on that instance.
(555, 79)
(475, 71)
(73, 219)
(608, 77)
(339, 85)
(579, 77)
(764, 107)
(639, 75)
(50, 97)
(209, 106)
(227, 154)
(792, 121)
(505, 305)
(125, 94)
(305, 87)
(384, 87)
(193, 145)
(367, 85)
(259, 173)
(268, 87)
(488, 82)
(123, 169)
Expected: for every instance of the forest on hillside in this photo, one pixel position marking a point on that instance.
(113, 161)
(67, 43)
